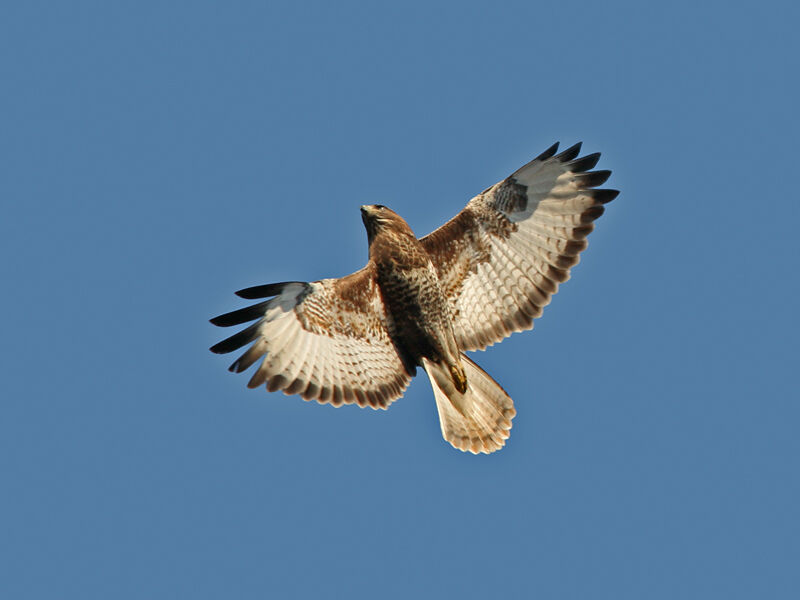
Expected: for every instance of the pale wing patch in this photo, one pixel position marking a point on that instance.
(326, 340)
(501, 259)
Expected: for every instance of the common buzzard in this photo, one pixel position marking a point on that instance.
(483, 275)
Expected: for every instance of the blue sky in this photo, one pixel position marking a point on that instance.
(156, 157)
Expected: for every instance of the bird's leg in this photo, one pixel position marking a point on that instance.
(459, 377)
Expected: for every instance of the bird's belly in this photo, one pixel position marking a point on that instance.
(418, 310)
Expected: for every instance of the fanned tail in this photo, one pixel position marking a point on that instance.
(478, 420)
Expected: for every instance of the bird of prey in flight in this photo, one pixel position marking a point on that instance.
(483, 275)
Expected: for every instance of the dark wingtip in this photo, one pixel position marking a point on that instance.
(592, 213)
(581, 165)
(604, 196)
(218, 348)
(238, 365)
(548, 153)
(593, 178)
(251, 293)
(219, 321)
(570, 153)
(263, 291)
(243, 315)
(237, 340)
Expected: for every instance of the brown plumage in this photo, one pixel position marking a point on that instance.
(483, 275)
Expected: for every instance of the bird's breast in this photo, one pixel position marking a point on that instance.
(415, 302)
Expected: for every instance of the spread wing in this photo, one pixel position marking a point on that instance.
(325, 340)
(502, 257)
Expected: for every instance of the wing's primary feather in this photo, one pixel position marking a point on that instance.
(502, 257)
(326, 340)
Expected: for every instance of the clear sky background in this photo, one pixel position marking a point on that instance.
(155, 157)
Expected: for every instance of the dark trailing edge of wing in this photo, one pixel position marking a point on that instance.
(264, 291)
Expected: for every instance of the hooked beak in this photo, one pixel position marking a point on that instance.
(366, 213)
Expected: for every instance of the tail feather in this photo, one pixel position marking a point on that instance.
(477, 420)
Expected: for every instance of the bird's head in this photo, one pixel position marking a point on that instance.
(378, 218)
